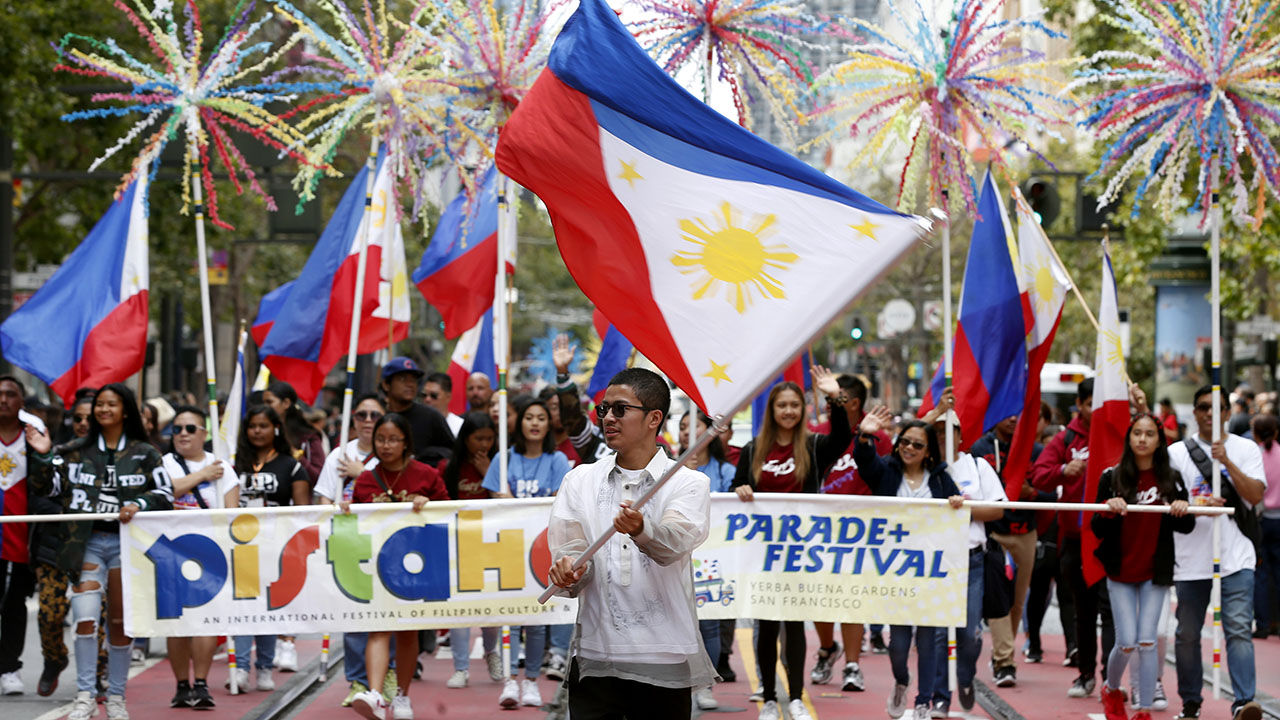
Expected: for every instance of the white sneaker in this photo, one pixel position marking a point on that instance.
(137, 656)
(704, 699)
(556, 666)
(116, 709)
(510, 696)
(11, 684)
(371, 705)
(852, 680)
(286, 656)
(85, 707)
(401, 708)
(458, 679)
(898, 701)
(771, 711)
(242, 682)
(266, 683)
(530, 695)
(493, 661)
(921, 713)
(798, 711)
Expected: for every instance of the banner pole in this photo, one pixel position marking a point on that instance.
(1215, 232)
(946, 369)
(501, 344)
(206, 313)
(353, 341)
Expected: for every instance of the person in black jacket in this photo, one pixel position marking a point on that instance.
(770, 463)
(915, 469)
(1137, 552)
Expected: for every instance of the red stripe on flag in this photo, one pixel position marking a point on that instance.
(972, 396)
(463, 290)
(1107, 429)
(1018, 463)
(113, 350)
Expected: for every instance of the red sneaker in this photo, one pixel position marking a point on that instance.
(1141, 715)
(1113, 702)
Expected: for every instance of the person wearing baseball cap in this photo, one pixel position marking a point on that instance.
(432, 440)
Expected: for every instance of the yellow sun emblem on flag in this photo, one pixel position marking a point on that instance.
(734, 256)
(7, 464)
(1112, 351)
(1045, 285)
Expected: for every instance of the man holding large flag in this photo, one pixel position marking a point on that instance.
(697, 239)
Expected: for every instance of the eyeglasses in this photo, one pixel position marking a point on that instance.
(912, 443)
(79, 418)
(188, 429)
(372, 415)
(431, 395)
(619, 409)
(1204, 407)
(388, 441)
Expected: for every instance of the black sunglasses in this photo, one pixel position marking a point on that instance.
(1204, 407)
(431, 395)
(188, 429)
(368, 415)
(619, 409)
(913, 443)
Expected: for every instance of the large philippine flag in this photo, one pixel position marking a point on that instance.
(614, 357)
(1045, 284)
(472, 354)
(456, 273)
(311, 330)
(87, 326)
(1110, 420)
(718, 255)
(989, 357)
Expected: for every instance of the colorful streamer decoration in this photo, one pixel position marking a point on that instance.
(1204, 86)
(493, 57)
(178, 88)
(939, 88)
(756, 47)
(383, 75)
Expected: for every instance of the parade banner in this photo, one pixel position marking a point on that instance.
(315, 569)
(478, 563)
(834, 558)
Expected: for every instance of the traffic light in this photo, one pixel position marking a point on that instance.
(856, 331)
(1043, 197)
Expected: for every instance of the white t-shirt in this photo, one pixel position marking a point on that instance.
(977, 480)
(331, 485)
(905, 491)
(1194, 551)
(206, 490)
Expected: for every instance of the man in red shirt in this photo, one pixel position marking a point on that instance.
(16, 580)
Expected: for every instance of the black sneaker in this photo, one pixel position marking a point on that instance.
(877, 645)
(1006, 676)
(1248, 711)
(200, 697)
(1190, 711)
(965, 695)
(1033, 655)
(182, 698)
(725, 670)
(49, 679)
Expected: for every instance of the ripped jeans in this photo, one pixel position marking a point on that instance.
(1135, 608)
(102, 551)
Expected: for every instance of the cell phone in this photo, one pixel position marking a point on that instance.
(28, 419)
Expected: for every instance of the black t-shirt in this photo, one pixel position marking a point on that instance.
(272, 484)
(432, 439)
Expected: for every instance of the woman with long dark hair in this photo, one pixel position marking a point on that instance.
(113, 469)
(269, 477)
(534, 469)
(785, 457)
(398, 477)
(1138, 554)
(307, 442)
(915, 469)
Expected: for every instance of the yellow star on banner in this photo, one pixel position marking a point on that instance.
(379, 209)
(718, 372)
(629, 173)
(7, 464)
(866, 227)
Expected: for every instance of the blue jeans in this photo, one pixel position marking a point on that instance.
(559, 637)
(103, 551)
(926, 658)
(353, 645)
(266, 657)
(1135, 608)
(460, 644)
(535, 646)
(710, 630)
(968, 638)
(1268, 572)
(1237, 621)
